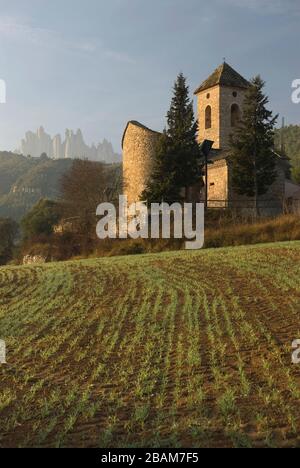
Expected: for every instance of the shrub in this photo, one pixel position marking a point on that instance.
(41, 219)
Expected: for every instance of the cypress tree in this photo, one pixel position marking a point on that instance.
(176, 165)
(252, 158)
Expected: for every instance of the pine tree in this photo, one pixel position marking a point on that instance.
(252, 157)
(177, 160)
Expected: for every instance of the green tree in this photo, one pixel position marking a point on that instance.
(252, 156)
(296, 174)
(41, 219)
(8, 233)
(83, 187)
(289, 138)
(176, 165)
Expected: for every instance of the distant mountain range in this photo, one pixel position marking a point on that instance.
(72, 147)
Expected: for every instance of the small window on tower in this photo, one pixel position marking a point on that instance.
(234, 94)
(208, 117)
(235, 115)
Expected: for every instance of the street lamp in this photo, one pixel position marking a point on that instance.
(205, 148)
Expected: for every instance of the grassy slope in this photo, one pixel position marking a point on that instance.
(19, 173)
(176, 349)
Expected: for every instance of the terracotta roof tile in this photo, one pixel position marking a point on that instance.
(224, 75)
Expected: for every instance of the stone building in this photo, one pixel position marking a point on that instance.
(219, 105)
(138, 145)
(220, 101)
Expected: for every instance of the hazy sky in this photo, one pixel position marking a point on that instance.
(96, 64)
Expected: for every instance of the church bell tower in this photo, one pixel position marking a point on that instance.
(220, 103)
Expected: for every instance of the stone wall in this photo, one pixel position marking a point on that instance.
(34, 259)
(228, 97)
(222, 195)
(139, 144)
(209, 97)
(218, 184)
(220, 99)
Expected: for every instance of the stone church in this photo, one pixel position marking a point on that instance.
(219, 105)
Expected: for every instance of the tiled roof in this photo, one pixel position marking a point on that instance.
(224, 75)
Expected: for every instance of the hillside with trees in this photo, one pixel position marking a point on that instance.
(65, 226)
(8, 234)
(290, 136)
(26, 180)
